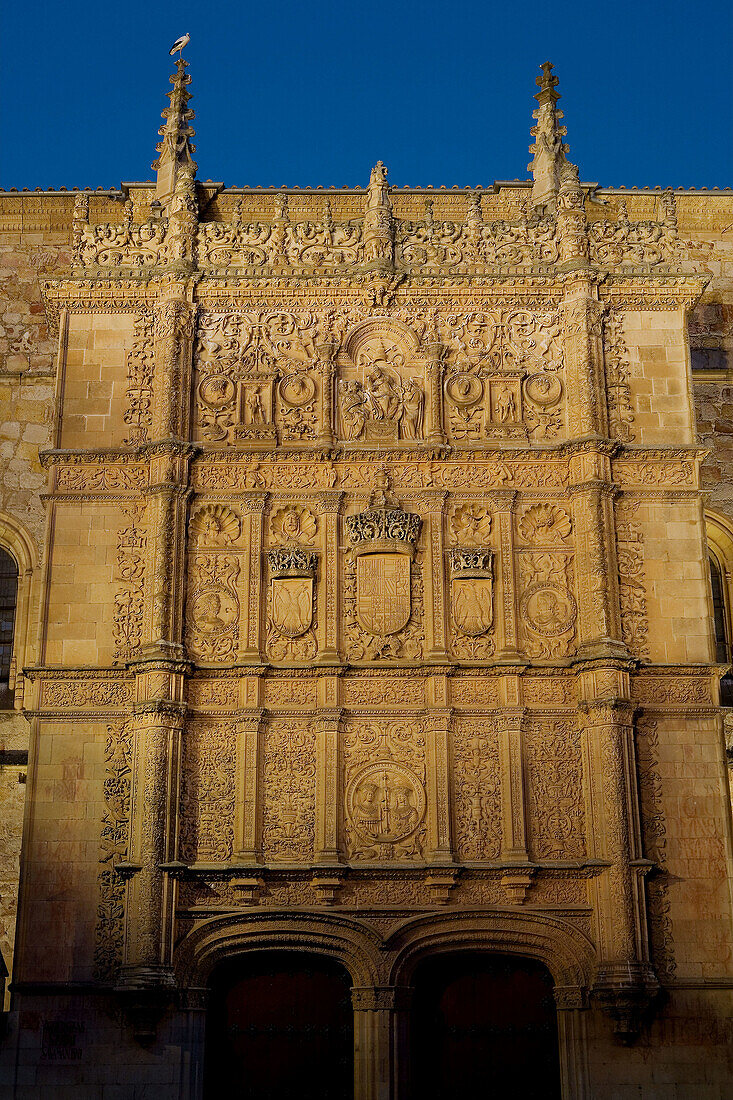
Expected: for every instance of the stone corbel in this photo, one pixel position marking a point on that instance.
(626, 992)
(516, 881)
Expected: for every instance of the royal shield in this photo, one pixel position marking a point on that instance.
(292, 605)
(472, 605)
(383, 592)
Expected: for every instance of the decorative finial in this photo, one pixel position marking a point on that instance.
(378, 225)
(175, 149)
(548, 151)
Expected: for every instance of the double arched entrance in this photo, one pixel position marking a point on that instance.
(281, 1024)
(437, 1005)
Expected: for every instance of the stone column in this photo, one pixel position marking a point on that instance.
(571, 1003)
(435, 583)
(248, 725)
(625, 982)
(514, 825)
(440, 841)
(254, 504)
(175, 327)
(326, 353)
(328, 731)
(379, 1024)
(158, 728)
(328, 505)
(508, 648)
(434, 433)
(596, 567)
(582, 316)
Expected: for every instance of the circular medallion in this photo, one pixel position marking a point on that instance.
(216, 391)
(464, 389)
(548, 610)
(214, 611)
(543, 389)
(297, 390)
(385, 802)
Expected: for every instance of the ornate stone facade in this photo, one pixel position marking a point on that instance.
(370, 608)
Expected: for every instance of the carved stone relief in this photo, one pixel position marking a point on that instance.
(127, 616)
(291, 602)
(477, 789)
(381, 391)
(207, 792)
(504, 376)
(547, 607)
(555, 781)
(213, 607)
(289, 798)
(632, 588)
(384, 790)
(110, 926)
(471, 602)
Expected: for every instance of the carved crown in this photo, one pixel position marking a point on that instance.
(289, 562)
(385, 526)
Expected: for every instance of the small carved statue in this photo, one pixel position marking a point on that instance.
(412, 410)
(353, 409)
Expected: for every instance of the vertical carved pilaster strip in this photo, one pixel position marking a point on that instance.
(625, 981)
(434, 367)
(585, 377)
(440, 840)
(329, 505)
(508, 622)
(599, 621)
(174, 329)
(255, 506)
(435, 584)
(248, 727)
(158, 728)
(328, 734)
(513, 794)
(326, 352)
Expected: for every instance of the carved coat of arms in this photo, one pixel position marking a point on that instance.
(383, 592)
(472, 590)
(292, 605)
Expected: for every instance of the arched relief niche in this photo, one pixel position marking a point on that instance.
(381, 386)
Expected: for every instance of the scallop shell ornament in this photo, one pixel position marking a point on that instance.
(216, 525)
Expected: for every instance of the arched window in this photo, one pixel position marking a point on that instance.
(720, 616)
(8, 606)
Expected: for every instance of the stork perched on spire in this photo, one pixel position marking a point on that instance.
(179, 44)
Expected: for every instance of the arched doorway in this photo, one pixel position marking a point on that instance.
(483, 1025)
(279, 1025)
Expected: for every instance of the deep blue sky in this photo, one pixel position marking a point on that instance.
(308, 92)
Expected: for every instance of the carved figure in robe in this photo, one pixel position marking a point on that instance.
(353, 409)
(384, 397)
(412, 410)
